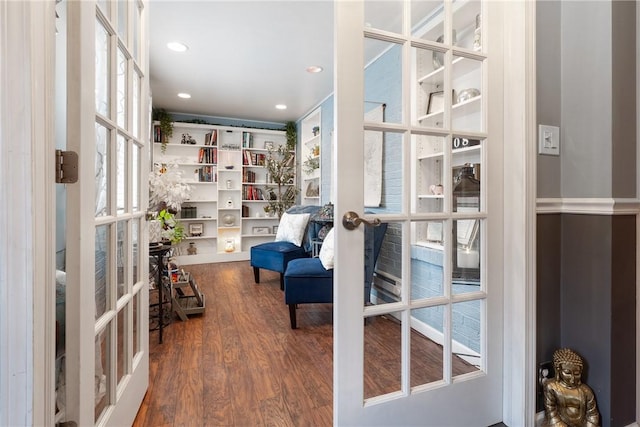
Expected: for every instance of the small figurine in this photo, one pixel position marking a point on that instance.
(192, 249)
(567, 401)
(187, 139)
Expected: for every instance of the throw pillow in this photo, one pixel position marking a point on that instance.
(326, 251)
(291, 228)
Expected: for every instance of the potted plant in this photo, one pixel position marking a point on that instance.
(166, 125)
(310, 165)
(281, 167)
(167, 191)
(172, 229)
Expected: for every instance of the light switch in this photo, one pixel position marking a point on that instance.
(549, 140)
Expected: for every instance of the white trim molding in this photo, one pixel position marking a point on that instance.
(589, 206)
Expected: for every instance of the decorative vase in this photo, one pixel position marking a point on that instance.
(155, 231)
(228, 220)
(229, 245)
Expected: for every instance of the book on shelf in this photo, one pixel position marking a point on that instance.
(250, 158)
(211, 138)
(248, 176)
(208, 155)
(157, 133)
(207, 174)
(250, 192)
(247, 140)
(245, 211)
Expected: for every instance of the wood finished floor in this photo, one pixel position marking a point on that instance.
(240, 363)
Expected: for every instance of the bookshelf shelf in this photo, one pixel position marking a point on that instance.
(223, 164)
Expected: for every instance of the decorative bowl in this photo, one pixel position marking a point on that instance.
(467, 94)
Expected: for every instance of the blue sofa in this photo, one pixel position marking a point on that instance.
(307, 282)
(275, 256)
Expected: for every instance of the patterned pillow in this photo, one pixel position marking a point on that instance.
(326, 251)
(291, 228)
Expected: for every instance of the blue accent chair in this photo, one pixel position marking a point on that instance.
(275, 256)
(307, 282)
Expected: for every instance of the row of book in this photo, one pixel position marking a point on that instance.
(157, 134)
(208, 155)
(247, 140)
(211, 138)
(253, 159)
(248, 176)
(250, 192)
(207, 174)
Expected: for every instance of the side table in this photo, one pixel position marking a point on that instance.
(158, 252)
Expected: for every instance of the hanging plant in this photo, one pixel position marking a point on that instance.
(166, 125)
(292, 135)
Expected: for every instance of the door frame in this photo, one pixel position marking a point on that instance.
(519, 390)
(26, 131)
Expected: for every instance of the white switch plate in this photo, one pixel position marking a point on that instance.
(549, 140)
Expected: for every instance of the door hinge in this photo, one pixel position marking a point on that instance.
(66, 167)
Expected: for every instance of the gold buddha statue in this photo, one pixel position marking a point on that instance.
(567, 401)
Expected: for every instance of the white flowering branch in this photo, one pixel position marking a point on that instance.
(167, 186)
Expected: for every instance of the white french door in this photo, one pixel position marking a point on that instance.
(437, 148)
(107, 360)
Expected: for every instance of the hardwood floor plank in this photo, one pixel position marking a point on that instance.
(189, 392)
(274, 413)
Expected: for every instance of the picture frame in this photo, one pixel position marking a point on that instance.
(436, 102)
(261, 230)
(196, 229)
(268, 145)
(275, 229)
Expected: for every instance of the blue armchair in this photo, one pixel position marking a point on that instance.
(307, 282)
(275, 256)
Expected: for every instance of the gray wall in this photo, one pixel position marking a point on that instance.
(585, 33)
(586, 263)
(623, 91)
(548, 87)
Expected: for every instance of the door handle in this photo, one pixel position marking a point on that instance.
(351, 220)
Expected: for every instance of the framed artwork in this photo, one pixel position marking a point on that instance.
(196, 229)
(275, 229)
(436, 102)
(261, 230)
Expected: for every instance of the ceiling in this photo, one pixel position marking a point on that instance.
(244, 57)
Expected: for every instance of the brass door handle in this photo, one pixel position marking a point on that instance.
(352, 220)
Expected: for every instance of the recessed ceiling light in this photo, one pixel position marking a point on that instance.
(314, 69)
(184, 95)
(281, 107)
(177, 46)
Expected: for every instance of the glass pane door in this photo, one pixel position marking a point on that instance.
(424, 143)
(108, 127)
